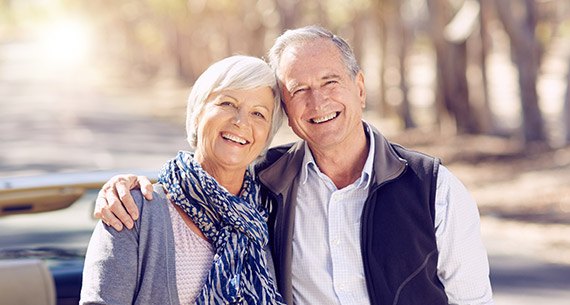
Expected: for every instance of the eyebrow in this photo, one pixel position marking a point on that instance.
(228, 95)
(292, 85)
(330, 76)
(237, 100)
(261, 106)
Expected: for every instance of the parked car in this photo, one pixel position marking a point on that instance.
(45, 226)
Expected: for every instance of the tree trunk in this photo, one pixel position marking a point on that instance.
(358, 29)
(486, 121)
(567, 106)
(526, 53)
(181, 54)
(457, 89)
(438, 17)
(395, 45)
(288, 13)
(403, 53)
(452, 70)
(383, 17)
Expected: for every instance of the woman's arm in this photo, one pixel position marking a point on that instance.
(110, 273)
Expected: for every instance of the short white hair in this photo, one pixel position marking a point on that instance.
(308, 34)
(238, 72)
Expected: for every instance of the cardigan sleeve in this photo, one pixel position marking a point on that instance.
(110, 272)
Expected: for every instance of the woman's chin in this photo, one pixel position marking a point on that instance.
(237, 155)
(237, 161)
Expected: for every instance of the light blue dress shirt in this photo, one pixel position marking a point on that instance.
(327, 260)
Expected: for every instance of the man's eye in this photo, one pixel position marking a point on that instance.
(331, 82)
(300, 90)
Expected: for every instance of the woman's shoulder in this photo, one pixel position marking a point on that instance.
(157, 204)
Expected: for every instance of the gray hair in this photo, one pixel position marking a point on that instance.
(236, 72)
(308, 34)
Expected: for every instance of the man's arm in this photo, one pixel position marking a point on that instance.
(463, 266)
(115, 205)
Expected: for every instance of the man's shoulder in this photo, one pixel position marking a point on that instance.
(273, 154)
(417, 159)
(404, 152)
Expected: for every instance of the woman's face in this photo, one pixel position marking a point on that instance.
(233, 128)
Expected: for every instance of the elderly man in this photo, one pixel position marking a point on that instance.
(358, 220)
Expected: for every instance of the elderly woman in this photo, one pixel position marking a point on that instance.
(203, 237)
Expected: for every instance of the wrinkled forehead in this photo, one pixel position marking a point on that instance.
(308, 58)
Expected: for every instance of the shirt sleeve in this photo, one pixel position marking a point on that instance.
(463, 267)
(110, 270)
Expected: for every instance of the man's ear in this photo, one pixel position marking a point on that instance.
(359, 79)
(284, 96)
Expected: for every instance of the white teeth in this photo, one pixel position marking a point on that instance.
(233, 138)
(325, 118)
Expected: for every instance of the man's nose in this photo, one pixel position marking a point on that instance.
(317, 99)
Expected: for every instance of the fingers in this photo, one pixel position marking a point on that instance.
(100, 202)
(102, 211)
(109, 219)
(146, 187)
(121, 203)
(114, 205)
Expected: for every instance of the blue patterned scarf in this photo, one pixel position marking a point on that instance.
(235, 225)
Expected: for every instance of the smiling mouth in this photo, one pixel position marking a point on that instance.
(234, 138)
(325, 118)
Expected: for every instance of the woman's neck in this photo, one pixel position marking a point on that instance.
(230, 178)
(231, 181)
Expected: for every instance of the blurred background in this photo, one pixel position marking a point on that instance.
(483, 84)
(464, 66)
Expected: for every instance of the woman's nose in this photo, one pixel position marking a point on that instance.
(240, 118)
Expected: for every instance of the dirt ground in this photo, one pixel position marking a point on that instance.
(508, 181)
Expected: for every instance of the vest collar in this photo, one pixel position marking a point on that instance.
(279, 176)
(388, 165)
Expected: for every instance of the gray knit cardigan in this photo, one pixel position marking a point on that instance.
(133, 266)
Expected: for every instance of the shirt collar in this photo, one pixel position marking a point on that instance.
(309, 161)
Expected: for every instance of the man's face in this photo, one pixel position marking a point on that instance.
(323, 103)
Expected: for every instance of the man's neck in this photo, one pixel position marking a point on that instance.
(343, 166)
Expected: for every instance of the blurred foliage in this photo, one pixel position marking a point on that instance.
(424, 64)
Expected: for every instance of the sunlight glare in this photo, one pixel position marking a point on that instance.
(65, 42)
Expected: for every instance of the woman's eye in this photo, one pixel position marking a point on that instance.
(259, 114)
(226, 103)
